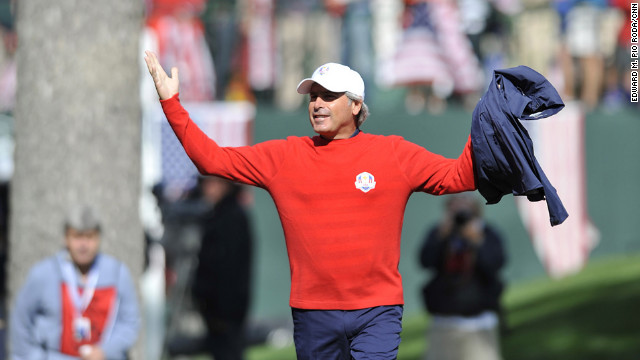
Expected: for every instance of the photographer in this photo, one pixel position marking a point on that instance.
(465, 256)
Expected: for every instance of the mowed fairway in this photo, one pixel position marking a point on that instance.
(591, 315)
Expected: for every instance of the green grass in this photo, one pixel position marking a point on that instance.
(593, 315)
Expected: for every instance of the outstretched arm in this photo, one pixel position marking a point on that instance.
(165, 86)
(248, 165)
(433, 173)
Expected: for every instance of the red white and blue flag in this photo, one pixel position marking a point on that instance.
(560, 150)
(228, 123)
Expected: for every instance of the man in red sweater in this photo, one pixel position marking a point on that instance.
(341, 198)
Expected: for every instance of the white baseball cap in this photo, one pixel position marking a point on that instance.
(334, 77)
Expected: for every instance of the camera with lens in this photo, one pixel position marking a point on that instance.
(461, 217)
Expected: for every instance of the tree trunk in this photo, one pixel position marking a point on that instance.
(77, 128)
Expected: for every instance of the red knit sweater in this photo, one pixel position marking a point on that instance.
(341, 204)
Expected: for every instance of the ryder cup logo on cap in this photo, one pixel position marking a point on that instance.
(334, 77)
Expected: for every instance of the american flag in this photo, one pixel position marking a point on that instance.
(228, 123)
(560, 150)
(261, 45)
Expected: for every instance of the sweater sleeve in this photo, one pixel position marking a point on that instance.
(433, 173)
(253, 165)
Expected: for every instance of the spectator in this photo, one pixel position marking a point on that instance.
(582, 52)
(223, 36)
(222, 283)
(618, 84)
(535, 36)
(180, 36)
(306, 34)
(435, 58)
(78, 303)
(356, 40)
(465, 256)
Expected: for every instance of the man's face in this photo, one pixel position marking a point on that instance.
(214, 189)
(83, 246)
(330, 113)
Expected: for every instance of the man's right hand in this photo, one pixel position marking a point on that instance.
(166, 86)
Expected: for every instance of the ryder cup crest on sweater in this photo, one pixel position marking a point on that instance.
(365, 182)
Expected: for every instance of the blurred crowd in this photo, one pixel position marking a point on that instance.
(440, 51)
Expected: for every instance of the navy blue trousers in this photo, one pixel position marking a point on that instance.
(372, 333)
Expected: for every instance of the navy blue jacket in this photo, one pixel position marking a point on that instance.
(504, 161)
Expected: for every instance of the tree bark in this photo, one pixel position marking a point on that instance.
(77, 128)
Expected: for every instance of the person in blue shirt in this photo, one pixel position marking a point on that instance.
(78, 303)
